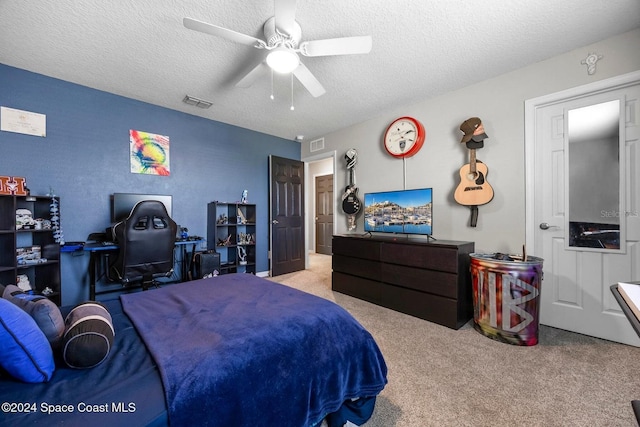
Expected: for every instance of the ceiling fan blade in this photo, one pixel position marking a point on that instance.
(285, 13)
(308, 80)
(252, 75)
(339, 46)
(204, 27)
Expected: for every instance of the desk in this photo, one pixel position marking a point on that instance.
(635, 323)
(97, 251)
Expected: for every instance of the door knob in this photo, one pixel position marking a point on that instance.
(545, 226)
(275, 221)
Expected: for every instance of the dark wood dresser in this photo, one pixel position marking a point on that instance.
(429, 280)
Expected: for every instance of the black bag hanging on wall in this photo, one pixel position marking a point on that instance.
(205, 264)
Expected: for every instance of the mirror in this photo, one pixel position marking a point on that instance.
(594, 203)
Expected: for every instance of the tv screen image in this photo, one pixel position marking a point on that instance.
(122, 203)
(402, 211)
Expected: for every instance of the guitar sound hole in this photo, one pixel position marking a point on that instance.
(478, 177)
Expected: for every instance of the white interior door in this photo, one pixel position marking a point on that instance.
(583, 214)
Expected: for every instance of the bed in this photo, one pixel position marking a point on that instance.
(229, 350)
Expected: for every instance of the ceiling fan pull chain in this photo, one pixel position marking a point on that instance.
(292, 92)
(272, 97)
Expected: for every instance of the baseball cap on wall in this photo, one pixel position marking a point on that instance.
(469, 126)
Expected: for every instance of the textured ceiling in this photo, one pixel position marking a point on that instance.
(140, 49)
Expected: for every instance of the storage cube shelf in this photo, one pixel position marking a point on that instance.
(231, 231)
(43, 271)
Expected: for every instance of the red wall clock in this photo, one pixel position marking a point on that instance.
(404, 137)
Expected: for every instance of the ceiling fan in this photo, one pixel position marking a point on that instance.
(282, 39)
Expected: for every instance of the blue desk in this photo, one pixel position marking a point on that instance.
(98, 251)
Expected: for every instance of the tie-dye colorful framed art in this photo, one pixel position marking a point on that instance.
(149, 153)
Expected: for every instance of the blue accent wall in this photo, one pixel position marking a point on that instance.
(85, 158)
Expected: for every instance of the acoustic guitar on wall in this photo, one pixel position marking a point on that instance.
(474, 189)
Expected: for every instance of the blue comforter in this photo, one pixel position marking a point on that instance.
(238, 350)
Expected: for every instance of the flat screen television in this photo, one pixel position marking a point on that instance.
(402, 211)
(122, 203)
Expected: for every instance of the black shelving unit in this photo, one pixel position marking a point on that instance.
(41, 274)
(231, 231)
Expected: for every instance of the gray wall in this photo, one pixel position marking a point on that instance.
(499, 102)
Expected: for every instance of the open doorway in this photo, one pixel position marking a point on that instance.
(320, 202)
(324, 214)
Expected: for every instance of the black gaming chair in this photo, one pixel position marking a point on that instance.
(146, 241)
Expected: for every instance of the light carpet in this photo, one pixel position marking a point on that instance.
(443, 377)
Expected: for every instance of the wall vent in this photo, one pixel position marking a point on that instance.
(316, 145)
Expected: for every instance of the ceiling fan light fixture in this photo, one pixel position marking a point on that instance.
(283, 60)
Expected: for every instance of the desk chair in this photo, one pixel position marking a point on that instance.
(145, 242)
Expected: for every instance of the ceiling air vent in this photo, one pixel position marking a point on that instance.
(200, 103)
(316, 145)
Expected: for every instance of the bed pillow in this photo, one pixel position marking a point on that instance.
(25, 352)
(46, 314)
(88, 335)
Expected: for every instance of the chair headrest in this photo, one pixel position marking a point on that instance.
(149, 207)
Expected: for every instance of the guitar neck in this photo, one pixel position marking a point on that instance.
(472, 160)
(352, 176)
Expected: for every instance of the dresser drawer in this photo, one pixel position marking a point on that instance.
(365, 289)
(433, 308)
(356, 247)
(431, 281)
(429, 257)
(356, 266)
